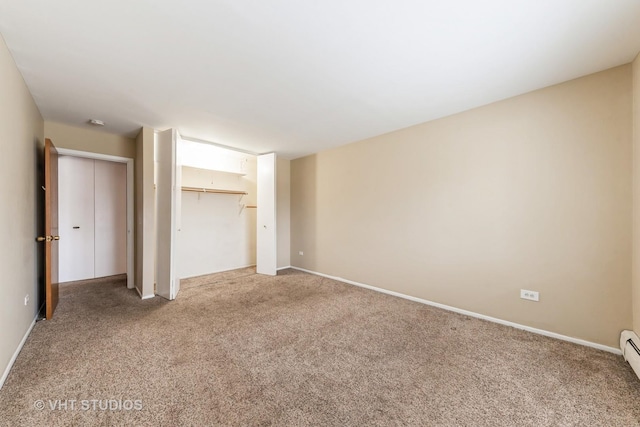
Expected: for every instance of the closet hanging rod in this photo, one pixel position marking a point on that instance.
(213, 190)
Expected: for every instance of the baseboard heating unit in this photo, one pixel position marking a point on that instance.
(630, 346)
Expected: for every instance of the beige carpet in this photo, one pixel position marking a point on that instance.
(243, 349)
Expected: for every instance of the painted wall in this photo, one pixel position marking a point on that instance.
(21, 139)
(636, 194)
(283, 211)
(93, 141)
(533, 192)
(145, 213)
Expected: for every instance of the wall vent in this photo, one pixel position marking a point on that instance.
(630, 346)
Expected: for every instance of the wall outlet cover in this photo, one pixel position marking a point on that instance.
(529, 295)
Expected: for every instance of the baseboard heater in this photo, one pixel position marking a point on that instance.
(630, 346)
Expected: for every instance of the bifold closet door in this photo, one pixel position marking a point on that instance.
(92, 218)
(110, 218)
(76, 211)
(266, 249)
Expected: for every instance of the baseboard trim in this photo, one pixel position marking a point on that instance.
(16, 353)
(283, 268)
(143, 296)
(470, 313)
(219, 271)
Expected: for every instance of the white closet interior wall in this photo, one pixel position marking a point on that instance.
(217, 231)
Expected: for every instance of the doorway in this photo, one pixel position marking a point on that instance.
(96, 250)
(207, 219)
(218, 209)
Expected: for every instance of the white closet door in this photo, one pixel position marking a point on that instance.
(76, 218)
(266, 259)
(110, 218)
(168, 190)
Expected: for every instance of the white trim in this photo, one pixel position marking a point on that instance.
(471, 313)
(130, 225)
(284, 268)
(216, 272)
(226, 147)
(142, 296)
(16, 353)
(130, 200)
(91, 155)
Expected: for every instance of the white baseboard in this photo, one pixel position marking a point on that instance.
(218, 271)
(143, 296)
(16, 353)
(283, 268)
(470, 313)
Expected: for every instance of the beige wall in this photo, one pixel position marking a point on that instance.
(636, 195)
(81, 139)
(533, 192)
(145, 213)
(21, 140)
(283, 208)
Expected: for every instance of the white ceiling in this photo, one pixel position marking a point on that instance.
(297, 77)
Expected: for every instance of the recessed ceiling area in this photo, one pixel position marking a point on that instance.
(299, 77)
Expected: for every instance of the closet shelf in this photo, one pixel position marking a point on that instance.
(237, 173)
(213, 190)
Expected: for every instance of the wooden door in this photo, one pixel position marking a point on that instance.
(50, 238)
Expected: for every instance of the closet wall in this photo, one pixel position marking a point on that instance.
(217, 231)
(92, 218)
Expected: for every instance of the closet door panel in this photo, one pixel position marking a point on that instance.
(266, 247)
(110, 218)
(76, 218)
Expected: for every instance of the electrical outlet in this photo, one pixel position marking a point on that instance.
(300, 253)
(26, 299)
(530, 295)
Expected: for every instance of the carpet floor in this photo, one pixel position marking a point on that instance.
(238, 348)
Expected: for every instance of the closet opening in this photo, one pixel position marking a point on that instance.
(95, 216)
(215, 211)
(217, 224)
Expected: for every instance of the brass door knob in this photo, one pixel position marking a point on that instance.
(47, 238)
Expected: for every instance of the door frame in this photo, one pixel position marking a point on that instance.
(130, 200)
(168, 211)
